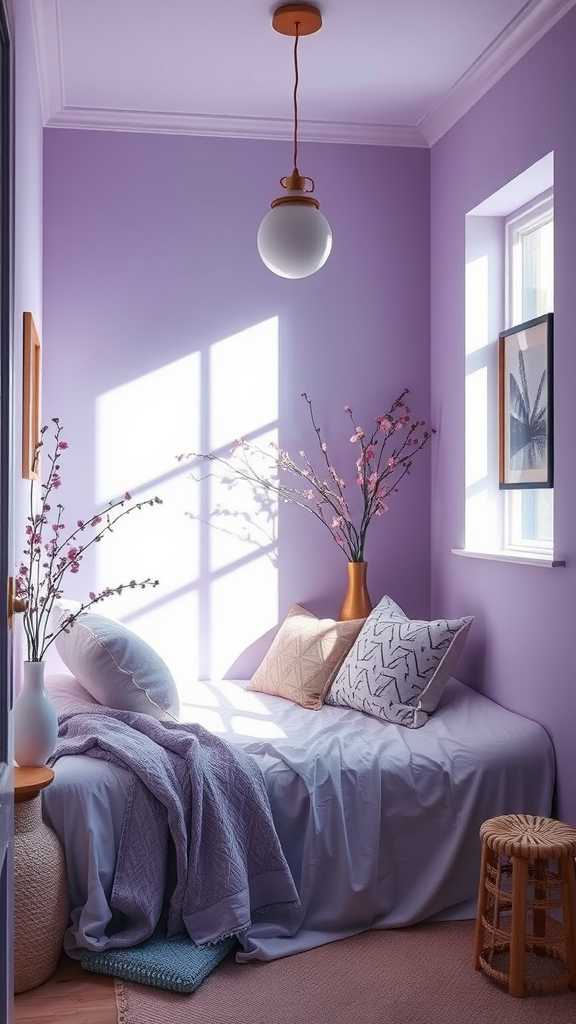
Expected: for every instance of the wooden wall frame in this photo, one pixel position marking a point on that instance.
(525, 399)
(31, 391)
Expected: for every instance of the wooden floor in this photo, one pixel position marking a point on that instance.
(71, 996)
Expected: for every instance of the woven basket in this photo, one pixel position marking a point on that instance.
(40, 896)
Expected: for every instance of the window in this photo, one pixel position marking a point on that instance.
(509, 277)
(529, 263)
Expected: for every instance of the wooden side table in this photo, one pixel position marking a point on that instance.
(40, 888)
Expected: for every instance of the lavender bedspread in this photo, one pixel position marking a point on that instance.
(379, 823)
(225, 862)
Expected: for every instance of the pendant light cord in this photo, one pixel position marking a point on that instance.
(297, 25)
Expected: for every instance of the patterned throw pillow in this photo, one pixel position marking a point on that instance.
(304, 657)
(398, 667)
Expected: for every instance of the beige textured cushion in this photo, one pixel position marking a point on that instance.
(304, 657)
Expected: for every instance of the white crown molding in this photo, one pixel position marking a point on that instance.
(531, 23)
(47, 41)
(222, 126)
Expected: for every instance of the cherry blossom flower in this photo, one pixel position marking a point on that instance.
(378, 472)
(41, 582)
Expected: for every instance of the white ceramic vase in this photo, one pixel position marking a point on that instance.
(35, 719)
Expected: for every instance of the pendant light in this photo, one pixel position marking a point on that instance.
(295, 239)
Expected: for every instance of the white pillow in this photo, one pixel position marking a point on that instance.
(67, 695)
(117, 667)
(398, 667)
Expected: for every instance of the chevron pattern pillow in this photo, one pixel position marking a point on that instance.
(398, 667)
(304, 657)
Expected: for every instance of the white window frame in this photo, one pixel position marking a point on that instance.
(486, 303)
(538, 212)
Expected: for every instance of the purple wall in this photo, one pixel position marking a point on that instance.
(27, 247)
(520, 649)
(150, 258)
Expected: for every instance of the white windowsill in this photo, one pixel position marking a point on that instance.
(523, 558)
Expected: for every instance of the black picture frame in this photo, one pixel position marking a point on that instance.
(526, 422)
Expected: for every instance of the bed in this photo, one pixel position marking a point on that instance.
(378, 823)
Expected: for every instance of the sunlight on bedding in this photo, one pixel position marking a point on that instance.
(212, 546)
(241, 699)
(229, 698)
(237, 724)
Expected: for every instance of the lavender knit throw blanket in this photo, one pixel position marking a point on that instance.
(210, 798)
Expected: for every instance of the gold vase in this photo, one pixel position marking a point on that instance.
(357, 603)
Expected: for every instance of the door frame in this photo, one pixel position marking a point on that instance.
(6, 506)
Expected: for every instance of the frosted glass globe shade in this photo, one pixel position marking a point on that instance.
(294, 239)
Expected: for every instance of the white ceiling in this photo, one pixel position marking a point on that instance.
(379, 71)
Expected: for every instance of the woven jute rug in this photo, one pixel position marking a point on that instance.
(418, 975)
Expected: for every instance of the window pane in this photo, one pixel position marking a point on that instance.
(537, 271)
(530, 513)
(531, 519)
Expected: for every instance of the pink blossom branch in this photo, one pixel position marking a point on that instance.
(378, 472)
(40, 582)
(66, 623)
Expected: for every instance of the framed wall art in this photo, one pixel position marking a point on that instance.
(31, 390)
(525, 386)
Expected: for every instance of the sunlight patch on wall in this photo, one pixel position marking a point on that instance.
(218, 589)
(476, 427)
(477, 400)
(478, 511)
(483, 305)
(476, 304)
(243, 384)
(243, 511)
(239, 547)
(159, 541)
(169, 626)
(244, 606)
(142, 425)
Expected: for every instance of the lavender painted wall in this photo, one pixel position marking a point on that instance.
(27, 247)
(150, 262)
(520, 651)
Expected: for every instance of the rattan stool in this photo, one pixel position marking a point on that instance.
(525, 928)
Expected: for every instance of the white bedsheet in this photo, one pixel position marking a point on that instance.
(379, 823)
